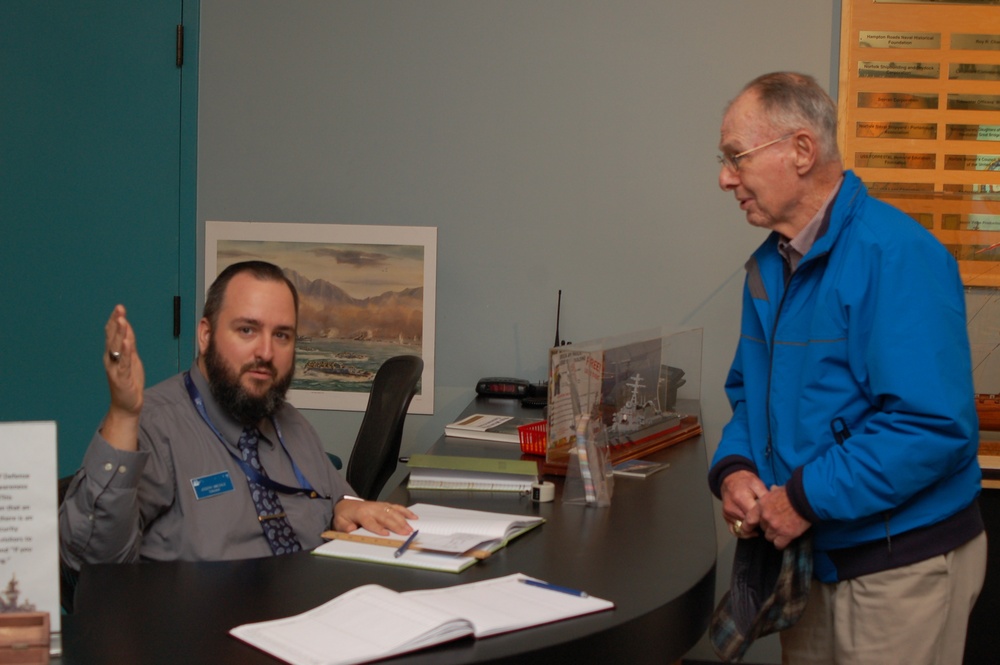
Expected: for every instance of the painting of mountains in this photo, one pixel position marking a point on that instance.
(366, 293)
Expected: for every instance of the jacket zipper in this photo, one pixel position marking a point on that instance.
(770, 375)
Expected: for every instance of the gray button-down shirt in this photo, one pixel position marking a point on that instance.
(126, 506)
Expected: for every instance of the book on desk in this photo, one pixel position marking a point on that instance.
(448, 472)
(449, 539)
(488, 427)
(372, 622)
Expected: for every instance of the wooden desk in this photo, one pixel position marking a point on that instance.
(652, 552)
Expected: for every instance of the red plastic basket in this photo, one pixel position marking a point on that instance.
(533, 437)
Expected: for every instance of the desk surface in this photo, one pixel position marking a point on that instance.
(652, 552)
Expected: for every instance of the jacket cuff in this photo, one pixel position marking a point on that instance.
(797, 497)
(725, 467)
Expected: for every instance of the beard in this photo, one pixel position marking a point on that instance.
(246, 408)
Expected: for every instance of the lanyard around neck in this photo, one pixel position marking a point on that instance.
(249, 471)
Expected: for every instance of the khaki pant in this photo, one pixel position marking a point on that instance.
(909, 615)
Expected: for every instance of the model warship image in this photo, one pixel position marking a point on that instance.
(640, 420)
(340, 370)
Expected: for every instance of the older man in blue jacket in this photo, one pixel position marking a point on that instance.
(853, 413)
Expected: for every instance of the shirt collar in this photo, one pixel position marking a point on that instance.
(793, 250)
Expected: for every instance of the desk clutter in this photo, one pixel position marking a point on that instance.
(372, 622)
(449, 539)
(489, 427)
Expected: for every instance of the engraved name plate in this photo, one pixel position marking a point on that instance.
(900, 187)
(897, 100)
(953, 222)
(898, 70)
(971, 42)
(895, 160)
(972, 163)
(972, 132)
(896, 130)
(973, 72)
(972, 189)
(880, 39)
(925, 219)
(963, 102)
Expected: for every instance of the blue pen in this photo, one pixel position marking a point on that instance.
(554, 587)
(406, 544)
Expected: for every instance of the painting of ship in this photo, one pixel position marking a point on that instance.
(11, 603)
(342, 371)
(350, 356)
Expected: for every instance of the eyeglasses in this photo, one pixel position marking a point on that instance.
(732, 162)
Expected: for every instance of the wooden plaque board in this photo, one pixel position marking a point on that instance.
(919, 104)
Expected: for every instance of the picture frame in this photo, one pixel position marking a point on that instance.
(366, 293)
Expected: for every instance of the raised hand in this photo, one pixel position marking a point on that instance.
(126, 380)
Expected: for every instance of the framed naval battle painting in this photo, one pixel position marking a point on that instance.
(366, 293)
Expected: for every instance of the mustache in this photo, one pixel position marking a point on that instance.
(260, 365)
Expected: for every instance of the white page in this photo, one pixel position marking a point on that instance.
(442, 519)
(346, 549)
(366, 623)
(372, 622)
(468, 527)
(504, 604)
(29, 521)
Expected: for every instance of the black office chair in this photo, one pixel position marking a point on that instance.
(373, 459)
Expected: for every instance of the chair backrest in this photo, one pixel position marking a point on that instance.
(373, 459)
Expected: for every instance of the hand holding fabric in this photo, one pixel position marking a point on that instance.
(740, 492)
(778, 519)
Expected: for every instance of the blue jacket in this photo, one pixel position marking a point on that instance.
(852, 386)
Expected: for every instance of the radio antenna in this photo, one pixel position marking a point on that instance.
(558, 309)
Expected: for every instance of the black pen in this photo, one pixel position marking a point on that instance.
(553, 587)
(406, 544)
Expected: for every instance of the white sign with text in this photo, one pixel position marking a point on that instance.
(29, 522)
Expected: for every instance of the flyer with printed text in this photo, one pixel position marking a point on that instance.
(29, 528)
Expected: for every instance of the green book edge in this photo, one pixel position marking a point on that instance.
(482, 464)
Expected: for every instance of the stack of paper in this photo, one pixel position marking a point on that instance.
(444, 472)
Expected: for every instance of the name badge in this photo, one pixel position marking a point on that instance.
(212, 485)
